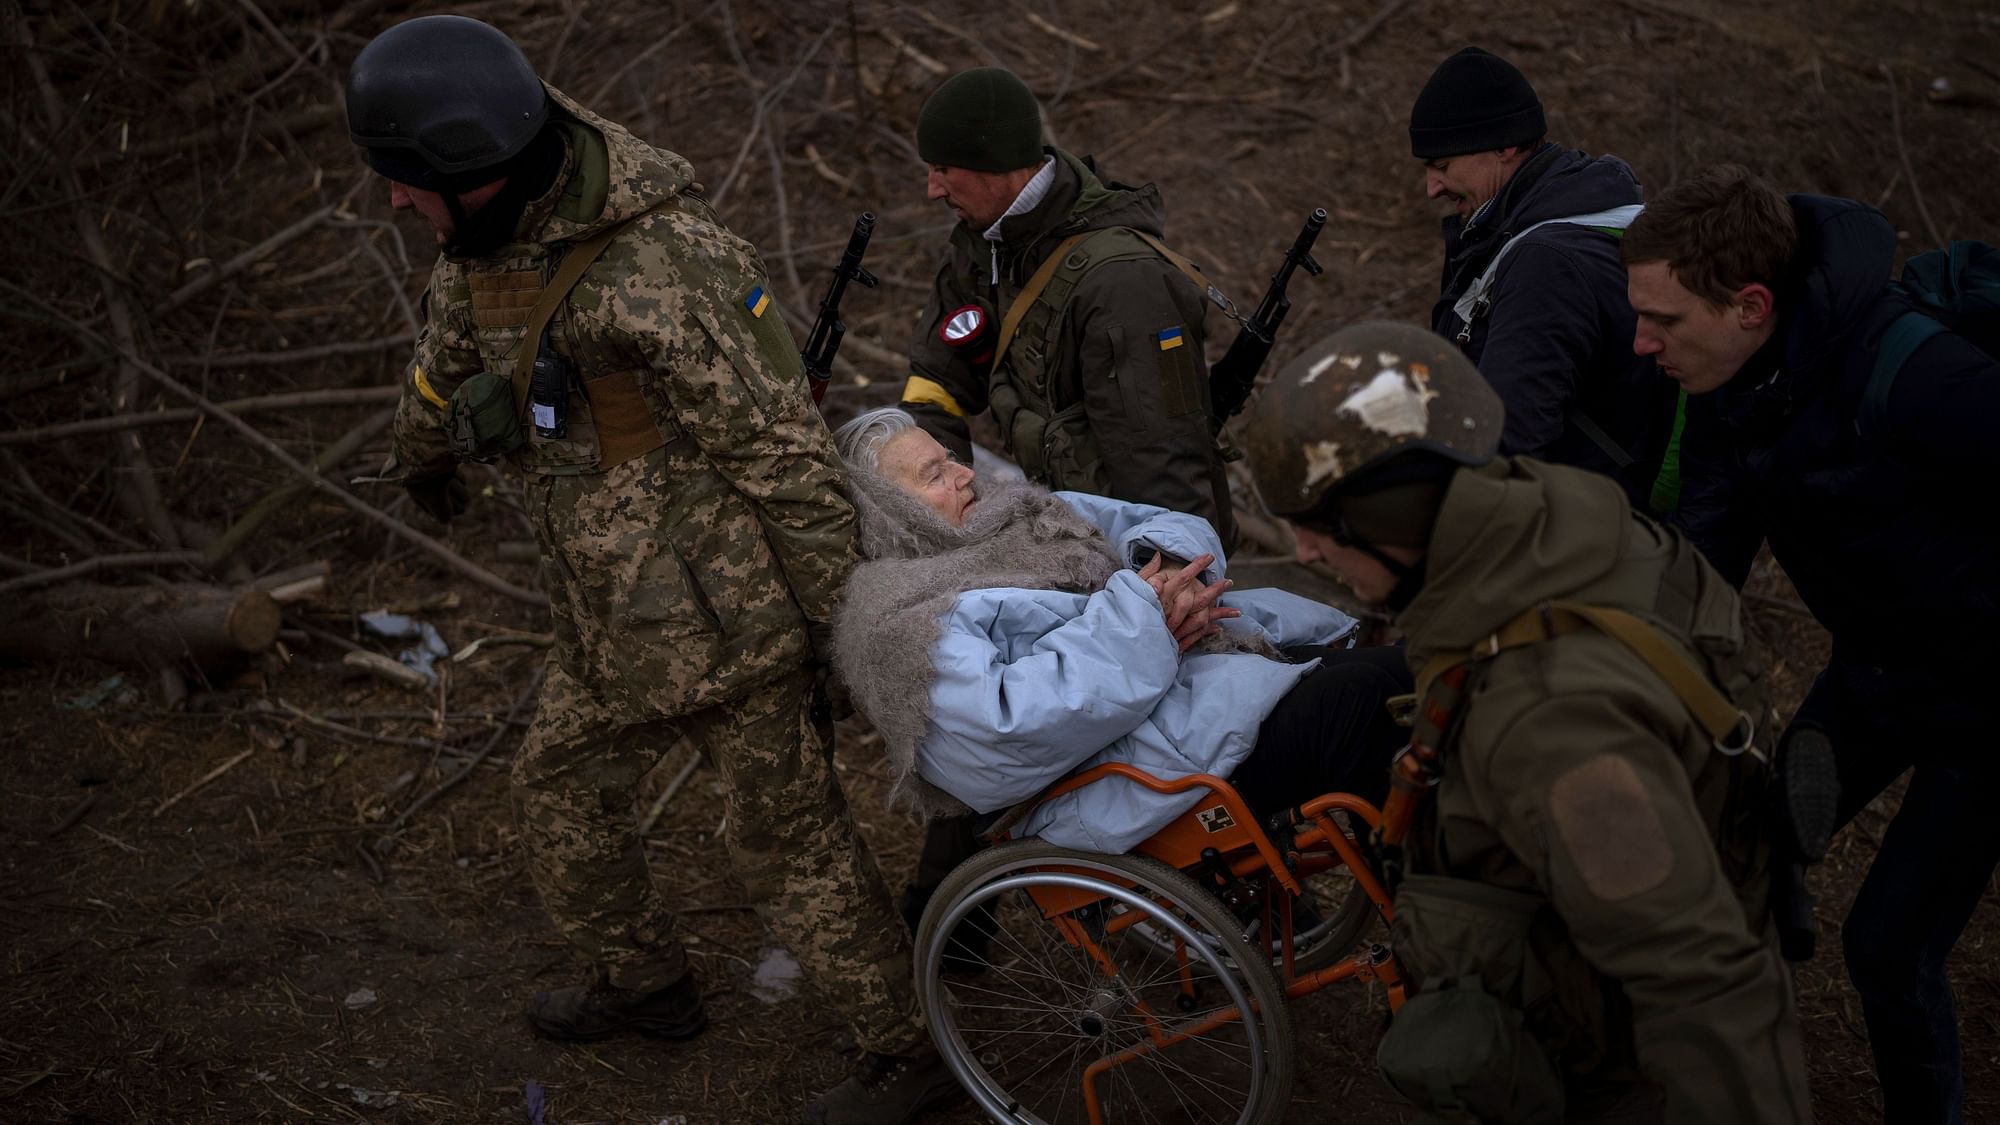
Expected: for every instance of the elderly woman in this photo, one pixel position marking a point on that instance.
(1001, 635)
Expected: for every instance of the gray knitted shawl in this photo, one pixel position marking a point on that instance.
(894, 607)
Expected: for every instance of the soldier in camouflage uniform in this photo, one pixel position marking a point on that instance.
(693, 533)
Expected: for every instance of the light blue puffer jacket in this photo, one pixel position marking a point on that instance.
(1032, 684)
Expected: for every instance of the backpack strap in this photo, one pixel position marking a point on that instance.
(1180, 262)
(1473, 303)
(1728, 727)
(1025, 299)
(1900, 341)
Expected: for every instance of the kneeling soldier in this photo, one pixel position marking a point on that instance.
(1583, 891)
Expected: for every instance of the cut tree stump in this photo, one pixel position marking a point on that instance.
(140, 626)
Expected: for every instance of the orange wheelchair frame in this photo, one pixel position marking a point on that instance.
(1096, 902)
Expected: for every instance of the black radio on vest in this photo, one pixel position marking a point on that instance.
(548, 391)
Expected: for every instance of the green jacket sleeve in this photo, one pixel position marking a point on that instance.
(948, 385)
(446, 355)
(1136, 327)
(1584, 790)
(733, 382)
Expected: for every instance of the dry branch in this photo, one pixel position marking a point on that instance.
(358, 396)
(300, 355)
(1903, 154)
(211, 775)
(241, 261)
(302, 121)
(500, 731)
(232, 540)
(319, 483)
(384, 668)
(140, 560)
(138, 490)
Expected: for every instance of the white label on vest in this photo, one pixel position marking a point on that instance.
(545, 416)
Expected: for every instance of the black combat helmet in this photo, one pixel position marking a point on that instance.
(438, 102)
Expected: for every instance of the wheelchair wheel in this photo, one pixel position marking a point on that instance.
(1078, 1012)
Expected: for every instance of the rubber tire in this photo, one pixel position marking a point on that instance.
(1222, 950)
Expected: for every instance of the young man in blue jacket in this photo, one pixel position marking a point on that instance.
(1532, 289)
(1770, 312)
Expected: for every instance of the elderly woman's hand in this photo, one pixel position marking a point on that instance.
(1188, 605)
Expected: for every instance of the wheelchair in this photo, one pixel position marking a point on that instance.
(1153, 986)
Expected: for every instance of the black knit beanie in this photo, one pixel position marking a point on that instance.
(984, 119)
(1474, 101)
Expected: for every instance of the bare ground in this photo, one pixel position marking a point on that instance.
(265, 946)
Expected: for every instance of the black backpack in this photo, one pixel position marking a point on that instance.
(1955, 289)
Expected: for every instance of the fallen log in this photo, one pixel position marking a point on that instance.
(147, 627)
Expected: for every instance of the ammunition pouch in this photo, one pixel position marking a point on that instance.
(1505, 1004)
(483, 420)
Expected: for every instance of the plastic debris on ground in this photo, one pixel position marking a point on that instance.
(114, 692)
(430, 647)
(777, 978)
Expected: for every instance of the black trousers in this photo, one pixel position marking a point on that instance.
(1937, 859)
(1331, 732)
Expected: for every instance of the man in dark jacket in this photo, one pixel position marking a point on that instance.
(1091, 358)
(1769, 312)
(1532, 289)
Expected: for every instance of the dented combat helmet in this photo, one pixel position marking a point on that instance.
(1358, 398)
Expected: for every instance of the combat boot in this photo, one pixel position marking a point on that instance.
(592, 1011)
(1809, 775)
(888, 1090)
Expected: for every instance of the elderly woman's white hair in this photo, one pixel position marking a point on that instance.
(860, 441)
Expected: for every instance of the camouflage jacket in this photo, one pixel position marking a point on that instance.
(1126, 383)
(719, 554)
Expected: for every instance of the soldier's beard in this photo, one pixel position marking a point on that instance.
(529, 176)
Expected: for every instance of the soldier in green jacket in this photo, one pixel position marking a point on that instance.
(1583, 898)
(1102, 386)
(1057, 308)
(694, 536)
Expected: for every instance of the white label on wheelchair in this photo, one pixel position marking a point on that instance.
(1216, 819)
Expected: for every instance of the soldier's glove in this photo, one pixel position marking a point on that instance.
(831, 701)
(442, 496)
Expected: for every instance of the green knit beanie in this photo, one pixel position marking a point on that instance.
(984, 119)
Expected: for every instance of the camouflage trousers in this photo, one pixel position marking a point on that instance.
(790, 836)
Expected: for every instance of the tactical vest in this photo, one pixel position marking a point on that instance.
(1469, 943)
(610, 418)
(1694, 611)
(1049, 439)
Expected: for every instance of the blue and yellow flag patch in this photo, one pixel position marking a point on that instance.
(1170, 339)
(757, 301)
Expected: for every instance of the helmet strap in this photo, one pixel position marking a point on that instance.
(1409, 576)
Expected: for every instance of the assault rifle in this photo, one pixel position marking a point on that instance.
(828, 328)
(1232, 377)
